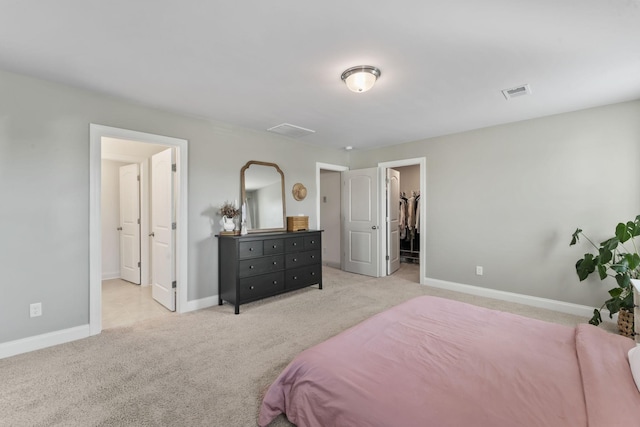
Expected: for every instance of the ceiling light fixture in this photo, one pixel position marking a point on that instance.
(361, 78)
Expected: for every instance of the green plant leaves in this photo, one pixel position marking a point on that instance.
(626, 231)
(575, 237)
(586, 266)
(613, 260)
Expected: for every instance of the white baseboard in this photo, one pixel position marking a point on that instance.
(112, 275)
(38, 342)
(200, 304)
(332, 264)
(549, 304)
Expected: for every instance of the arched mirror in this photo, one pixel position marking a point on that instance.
(263, 196)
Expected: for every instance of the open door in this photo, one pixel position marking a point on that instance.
(130, 223)
(360, 221)
(393, 220)
(163, 229)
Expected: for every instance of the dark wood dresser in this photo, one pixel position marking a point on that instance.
(257, 266)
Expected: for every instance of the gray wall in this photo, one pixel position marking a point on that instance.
(409, 178)
(508, 198)
(44, 182)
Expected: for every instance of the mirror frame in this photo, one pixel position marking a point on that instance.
(244, 195)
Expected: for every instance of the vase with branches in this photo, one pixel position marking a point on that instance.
(229, 211)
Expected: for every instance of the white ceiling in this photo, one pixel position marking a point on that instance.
(260, 63)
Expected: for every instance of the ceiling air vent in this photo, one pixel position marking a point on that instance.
(291, 131)
(515, 92)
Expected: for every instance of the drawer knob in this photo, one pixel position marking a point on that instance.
(252, 287)
(295, 260)
(275, 262)
(313, 256)
(295, 244)
(250, 249)
(313, 274)
(274, 246)
(313, 241)
(295, 277)
(275, 282)
(251, 267)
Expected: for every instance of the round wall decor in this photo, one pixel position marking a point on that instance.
(299, 191)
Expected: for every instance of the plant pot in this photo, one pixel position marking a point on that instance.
(625, 323)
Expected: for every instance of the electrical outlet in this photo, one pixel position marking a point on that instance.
(479, 270)
(35, 309)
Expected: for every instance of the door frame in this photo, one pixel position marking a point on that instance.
(382, 166)
(96, 133)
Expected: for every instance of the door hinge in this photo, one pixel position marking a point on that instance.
(138, 177)
(173, 225)
(174, 284)
(387, 257)
(138, 264)
(138, 221)
(174, 167)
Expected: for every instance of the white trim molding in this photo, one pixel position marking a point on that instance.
(96, 133)
(37, 342)
(546, 303)
(201, 303)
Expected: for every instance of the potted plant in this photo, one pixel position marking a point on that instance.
(616, 257)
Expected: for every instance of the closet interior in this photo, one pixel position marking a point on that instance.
(410, 227)
(409, 207)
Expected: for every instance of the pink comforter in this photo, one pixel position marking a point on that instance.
(436, 362)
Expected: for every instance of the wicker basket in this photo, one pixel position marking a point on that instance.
(625, 323)
(297, 223)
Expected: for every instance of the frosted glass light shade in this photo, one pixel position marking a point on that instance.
(361, 78)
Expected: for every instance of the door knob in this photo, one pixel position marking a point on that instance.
(152, 234)
(375, 227)
(119, 228)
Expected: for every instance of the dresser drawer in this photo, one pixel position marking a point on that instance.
(273, 246)
(301, 259)
(294, 244)
(257, 287)
(312, 242)
(250, 249)
(304, 276)
(255, 266)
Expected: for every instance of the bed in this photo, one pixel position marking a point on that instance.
(437, 362)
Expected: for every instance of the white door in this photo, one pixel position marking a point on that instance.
(393, 220)
(360, 221)
(162, 229)
(130, 223)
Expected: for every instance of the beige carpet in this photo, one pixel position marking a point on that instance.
(205, 368)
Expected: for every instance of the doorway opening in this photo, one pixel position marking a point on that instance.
(141, 149)
(383, 228)
(127, 234)
(329, 211)
(412, 242)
